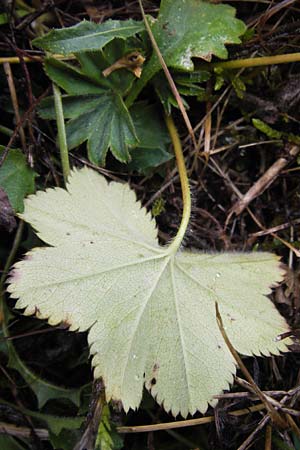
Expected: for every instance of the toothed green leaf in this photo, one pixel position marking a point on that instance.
(190, 29)
(87, 36)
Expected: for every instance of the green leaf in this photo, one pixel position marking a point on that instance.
(151, 134)
(72, 79)
(94, 105)
(55, 423)
(107, 437)
(43, 389)
(16, 178)
(107, 125)
(65, 440)
(153, 138)
(103, 121)
(87, 36)
(190, 29)
(266, 129)
(9, 443)
(4, 17)
(150, 311)
(87, 78)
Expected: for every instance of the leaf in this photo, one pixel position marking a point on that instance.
(87, 36)
(153, 138)
(107, 125)
(55, 423)
(9, 443)
(72, 79)
(150, 311)
(65, 440)
(195, 29)
(266, 129)
(43, 389)
(95, 106)
(103, 121)
(107, 437)
(190, 29)
(16, 178)
(151, 134)
(87, 77)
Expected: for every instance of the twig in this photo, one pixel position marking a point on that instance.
(274, 415)
(265, 181)
(250, 438)
(14, 100)
(186, 423)
(23, 432)
(268, 438)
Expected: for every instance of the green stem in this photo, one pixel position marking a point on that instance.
(6, 131)
(254, 62)
(62, 140)
(234, 64)
(4, 314)
(12, 253)
(185, 188)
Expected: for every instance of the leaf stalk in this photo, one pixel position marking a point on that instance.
(62, 140)
(185, 188)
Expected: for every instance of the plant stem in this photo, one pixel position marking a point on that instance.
(12, 253)
(6, 131)
(33, 58)
(62, 140)
(234, 64)
(254, 62)
(185, 188)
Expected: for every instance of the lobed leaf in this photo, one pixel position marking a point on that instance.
(150, 312)
(190, 29)
(107, 125)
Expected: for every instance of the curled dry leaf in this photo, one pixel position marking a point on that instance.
(150, 310)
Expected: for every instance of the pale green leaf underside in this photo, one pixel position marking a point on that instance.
(150, 313)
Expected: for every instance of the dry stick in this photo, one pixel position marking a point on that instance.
(14, 99)
(278, 405)
(207, 125)
(283, 241)
(23, 432)
(274, 415)
(88, 439)
(264, 182)
(268, 438)
(168, 76)
(220, 172)
(250, 438)
(283, 226)
(186, 423)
